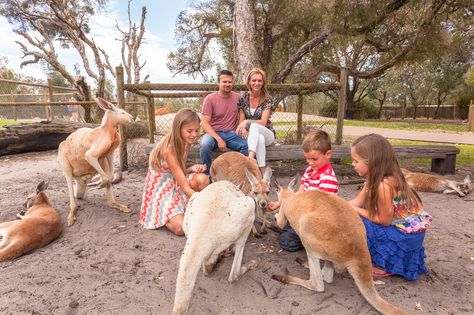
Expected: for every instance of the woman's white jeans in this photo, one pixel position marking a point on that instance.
(259, 137)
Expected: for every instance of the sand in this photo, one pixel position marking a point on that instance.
(107, 264)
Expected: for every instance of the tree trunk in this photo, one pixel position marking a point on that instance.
(48, 135)
(436, 113)
(36, 136)
(351, 108)
(245, 39)
(381, 102)
(404, 108)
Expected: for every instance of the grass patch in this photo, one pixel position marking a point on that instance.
(7, 122)
(407, 125)
(398, 125)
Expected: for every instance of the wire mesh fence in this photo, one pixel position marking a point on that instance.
(298, 108)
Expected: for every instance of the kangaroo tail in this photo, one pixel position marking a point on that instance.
(362, 275)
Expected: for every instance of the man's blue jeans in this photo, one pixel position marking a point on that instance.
(232, 140)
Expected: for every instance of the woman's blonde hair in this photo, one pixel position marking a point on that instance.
(173, 139)
(264, 78)
(381, 161)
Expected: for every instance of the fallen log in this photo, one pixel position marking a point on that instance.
(47, 135)
(34, 137)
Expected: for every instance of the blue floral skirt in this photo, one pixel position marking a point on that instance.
(396, 252)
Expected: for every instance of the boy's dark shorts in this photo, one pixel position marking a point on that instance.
(289, 240)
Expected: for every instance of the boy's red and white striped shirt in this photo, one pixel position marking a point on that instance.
(322, 179)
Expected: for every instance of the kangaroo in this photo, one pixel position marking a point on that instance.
(217, 217)
(87, 152)
(243, 172)
(39, 225)
(330, 230)
(431, 183)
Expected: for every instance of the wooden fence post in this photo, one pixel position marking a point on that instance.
(151, 118)
(341, 105)
(14, 107)
(299, 121)
(471, 117)
(49, 114)
(121, 104)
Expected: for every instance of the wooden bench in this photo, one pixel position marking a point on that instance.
(443, 157)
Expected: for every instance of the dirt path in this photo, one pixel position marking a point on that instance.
(107, 264)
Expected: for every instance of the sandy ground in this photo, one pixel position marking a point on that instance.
(107, 264)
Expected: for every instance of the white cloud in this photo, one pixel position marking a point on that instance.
(106, 35)
(12, 51)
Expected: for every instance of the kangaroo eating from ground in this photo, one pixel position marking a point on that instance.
(330, 230)
(243, 172)
(217, 217)
(431, 183)
(86, 152)
(39, 225)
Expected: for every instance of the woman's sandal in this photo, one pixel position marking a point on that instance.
(381, 273)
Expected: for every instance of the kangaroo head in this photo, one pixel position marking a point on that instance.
(117, 115)
(38, 197)
(466, 187)
(283, 194)
(260, 187)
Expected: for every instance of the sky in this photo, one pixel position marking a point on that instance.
(158, 39)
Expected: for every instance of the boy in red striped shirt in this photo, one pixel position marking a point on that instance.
(319, 175)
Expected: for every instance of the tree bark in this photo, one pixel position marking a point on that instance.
(245, 38)
(47, 135)
(36, 137)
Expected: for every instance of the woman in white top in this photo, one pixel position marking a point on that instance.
(255, 109)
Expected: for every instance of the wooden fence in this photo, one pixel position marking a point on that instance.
(156, 90)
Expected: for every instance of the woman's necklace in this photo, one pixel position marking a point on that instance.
(254, 101)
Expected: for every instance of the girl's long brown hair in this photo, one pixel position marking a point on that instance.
(173, 139)
(381, 163)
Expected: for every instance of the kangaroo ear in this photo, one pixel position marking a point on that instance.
(42, 186)
(267, 175)
(104, 104)
(279, 187)
(294, 183)
(467, 179)
(252, 179)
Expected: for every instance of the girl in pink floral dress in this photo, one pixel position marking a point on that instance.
(169, 184)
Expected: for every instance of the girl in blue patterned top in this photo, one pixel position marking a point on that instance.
(391, 210)
(255, 109)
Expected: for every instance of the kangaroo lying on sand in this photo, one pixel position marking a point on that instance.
(87, 152)
(331, 230)
(244, 172)
(217, 217)
(39, 226)
(431, 183)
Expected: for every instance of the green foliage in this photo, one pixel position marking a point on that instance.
(329, 110)
(469, 78)
(366, 110)
(463, 101)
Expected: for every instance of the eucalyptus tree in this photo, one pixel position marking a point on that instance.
(307, 41)
(46, 25)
